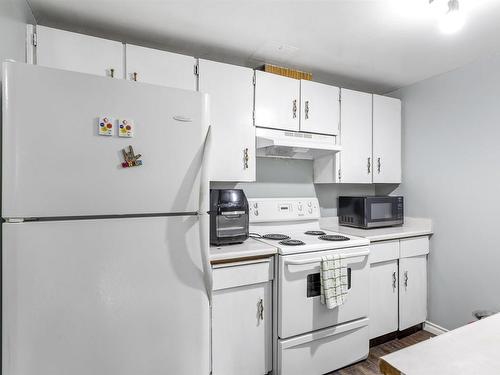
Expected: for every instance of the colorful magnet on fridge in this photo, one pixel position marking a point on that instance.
(105, 126)
(130, 159)
(126, 128)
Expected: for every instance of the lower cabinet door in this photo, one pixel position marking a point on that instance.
(242, 330)
(412, 291)
(383, 298)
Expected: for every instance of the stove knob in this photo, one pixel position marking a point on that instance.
(256, 213)
(300, 207)
(309, 204)
(256, 205)
(310, 210)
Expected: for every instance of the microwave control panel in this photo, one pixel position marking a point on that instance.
(283, 209)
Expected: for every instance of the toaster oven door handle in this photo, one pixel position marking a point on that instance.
(318, 260)
(232, 213)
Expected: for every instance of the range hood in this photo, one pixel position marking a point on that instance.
(294, 145)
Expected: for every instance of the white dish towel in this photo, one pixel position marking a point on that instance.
(333, 276)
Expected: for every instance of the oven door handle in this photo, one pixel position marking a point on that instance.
(318, 260)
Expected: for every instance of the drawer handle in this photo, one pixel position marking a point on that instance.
(394, 279)
(406, 279)
(294, 109)
(307, 110)
(261, 309)
(369, 165)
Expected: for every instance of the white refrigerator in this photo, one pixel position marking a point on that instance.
(104, 247)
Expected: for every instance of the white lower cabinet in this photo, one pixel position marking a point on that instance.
(383, 298)
(242, 320)
(412, 291)
(398, 284)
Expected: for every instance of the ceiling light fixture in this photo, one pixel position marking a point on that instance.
(453, 20)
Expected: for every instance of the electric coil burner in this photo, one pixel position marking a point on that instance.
(333, 237)
(276, 237)
(315, 233)
(292, 243)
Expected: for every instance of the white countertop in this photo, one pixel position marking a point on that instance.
(247, 249)
(471, 349)
(412, 227)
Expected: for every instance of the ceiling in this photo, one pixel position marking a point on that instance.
(373, 45)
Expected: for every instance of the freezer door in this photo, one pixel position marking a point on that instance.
(55, 163)
(101, 297)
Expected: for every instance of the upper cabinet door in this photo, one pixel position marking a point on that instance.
(160, 67)
(276, 101)
(77, 52)
(319, 108)
(232, 143)
(386, 139)
(356, 137)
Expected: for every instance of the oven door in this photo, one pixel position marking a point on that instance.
(299, 307)
(383, 211)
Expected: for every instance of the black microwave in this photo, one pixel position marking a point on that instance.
(371, 211)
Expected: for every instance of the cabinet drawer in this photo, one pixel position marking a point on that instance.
(234, 275)
(384, 251)
(411, 247)
(325, 350)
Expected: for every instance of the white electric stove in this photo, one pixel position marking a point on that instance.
(309, 338)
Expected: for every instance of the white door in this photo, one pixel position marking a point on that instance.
(412, 291)
(80, 53)
(109, 296)
(160, 67)
(356, 137)
(319, 108)
(386, 139)
(276, 101)
(56, 164)
(232, 138)
(241, 330)
(299, 306)
(383, 298)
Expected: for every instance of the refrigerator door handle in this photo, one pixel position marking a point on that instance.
(204, 217)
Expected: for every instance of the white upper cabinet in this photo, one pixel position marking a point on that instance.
(232, 139)
(77, 52)
(386, 139)
(160, 67)
(356, 137)
(319, 108)
(276, 101)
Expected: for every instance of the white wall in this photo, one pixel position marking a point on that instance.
(14, 15)
(451, 167)
(294, 178)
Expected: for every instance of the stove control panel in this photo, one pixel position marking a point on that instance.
(283, 209)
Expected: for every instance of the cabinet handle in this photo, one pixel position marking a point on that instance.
(134, 76)
(394, 279)
(406, 279)
(379, 164)
(369, 165)
(306, 110)
(261, 309)
(294, 108)
(112, 73)
(245, 158)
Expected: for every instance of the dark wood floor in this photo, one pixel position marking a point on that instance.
(370, 365)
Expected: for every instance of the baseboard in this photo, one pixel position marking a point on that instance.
(434, 328)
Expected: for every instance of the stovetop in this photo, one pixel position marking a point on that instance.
(299, 241)
(292, 225)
